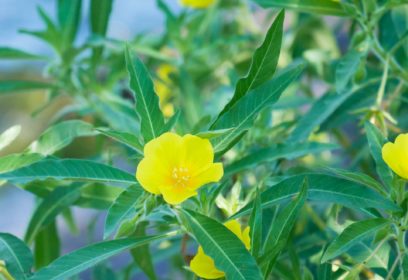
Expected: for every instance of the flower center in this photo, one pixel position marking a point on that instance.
(180, 176)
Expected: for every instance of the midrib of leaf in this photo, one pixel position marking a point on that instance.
(132, 67)
(217, 246)
(14, 256)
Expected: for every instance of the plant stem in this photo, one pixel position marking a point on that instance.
(381, 90)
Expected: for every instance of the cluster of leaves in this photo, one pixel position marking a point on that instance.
(309, 218)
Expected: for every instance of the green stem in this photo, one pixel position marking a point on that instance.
(381, 90)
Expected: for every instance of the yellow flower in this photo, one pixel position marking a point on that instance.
(163, 88)
(396, 155)
(197, 4)
(203, 266)
(177, 166)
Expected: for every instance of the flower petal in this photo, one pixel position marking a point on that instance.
(211, 175)
(176, 195)
(167, 148)
(204, 266)
(199, 153)
(151, 174)
(394, 157)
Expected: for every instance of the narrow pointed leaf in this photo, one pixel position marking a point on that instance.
(77, 261)
(147, 102)
(264, 62)
(282, 226)
(11, 53)
(353, 234)
(68, 169)
(227, 251)
(241, 116)
(310, 6)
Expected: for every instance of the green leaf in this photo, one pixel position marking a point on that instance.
(282, 226)
(69, 169)
(46, 246)
(99, 19)
(346, 68)
(241, 116)
(61, 135)
(353, 234)
(126, 138)
(310, 6)
(376, 141)
(15, 161)
(356, 177)
(16, 255)
(11, 53)
(49, 208)
(323, 188)
(227, 251)
(77, 261)
(255, 225)
(8, 86)
(147, 102)
(317, 114)
(99, 16)
(69, 15)
(122, 208)
(264, 62)
(210, 134)
(280, 230)
(287, 151)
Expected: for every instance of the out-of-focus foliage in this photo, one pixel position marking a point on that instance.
(295, 100)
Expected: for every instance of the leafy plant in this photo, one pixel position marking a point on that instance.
(214, 124)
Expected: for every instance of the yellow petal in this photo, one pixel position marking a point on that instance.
(235, 227)
(203, 266)
(197, 4)
(396, 155)
(199, 153)
(176, 195)
(167, 149)
(151, 174)
(246, 239)
(212, 174)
